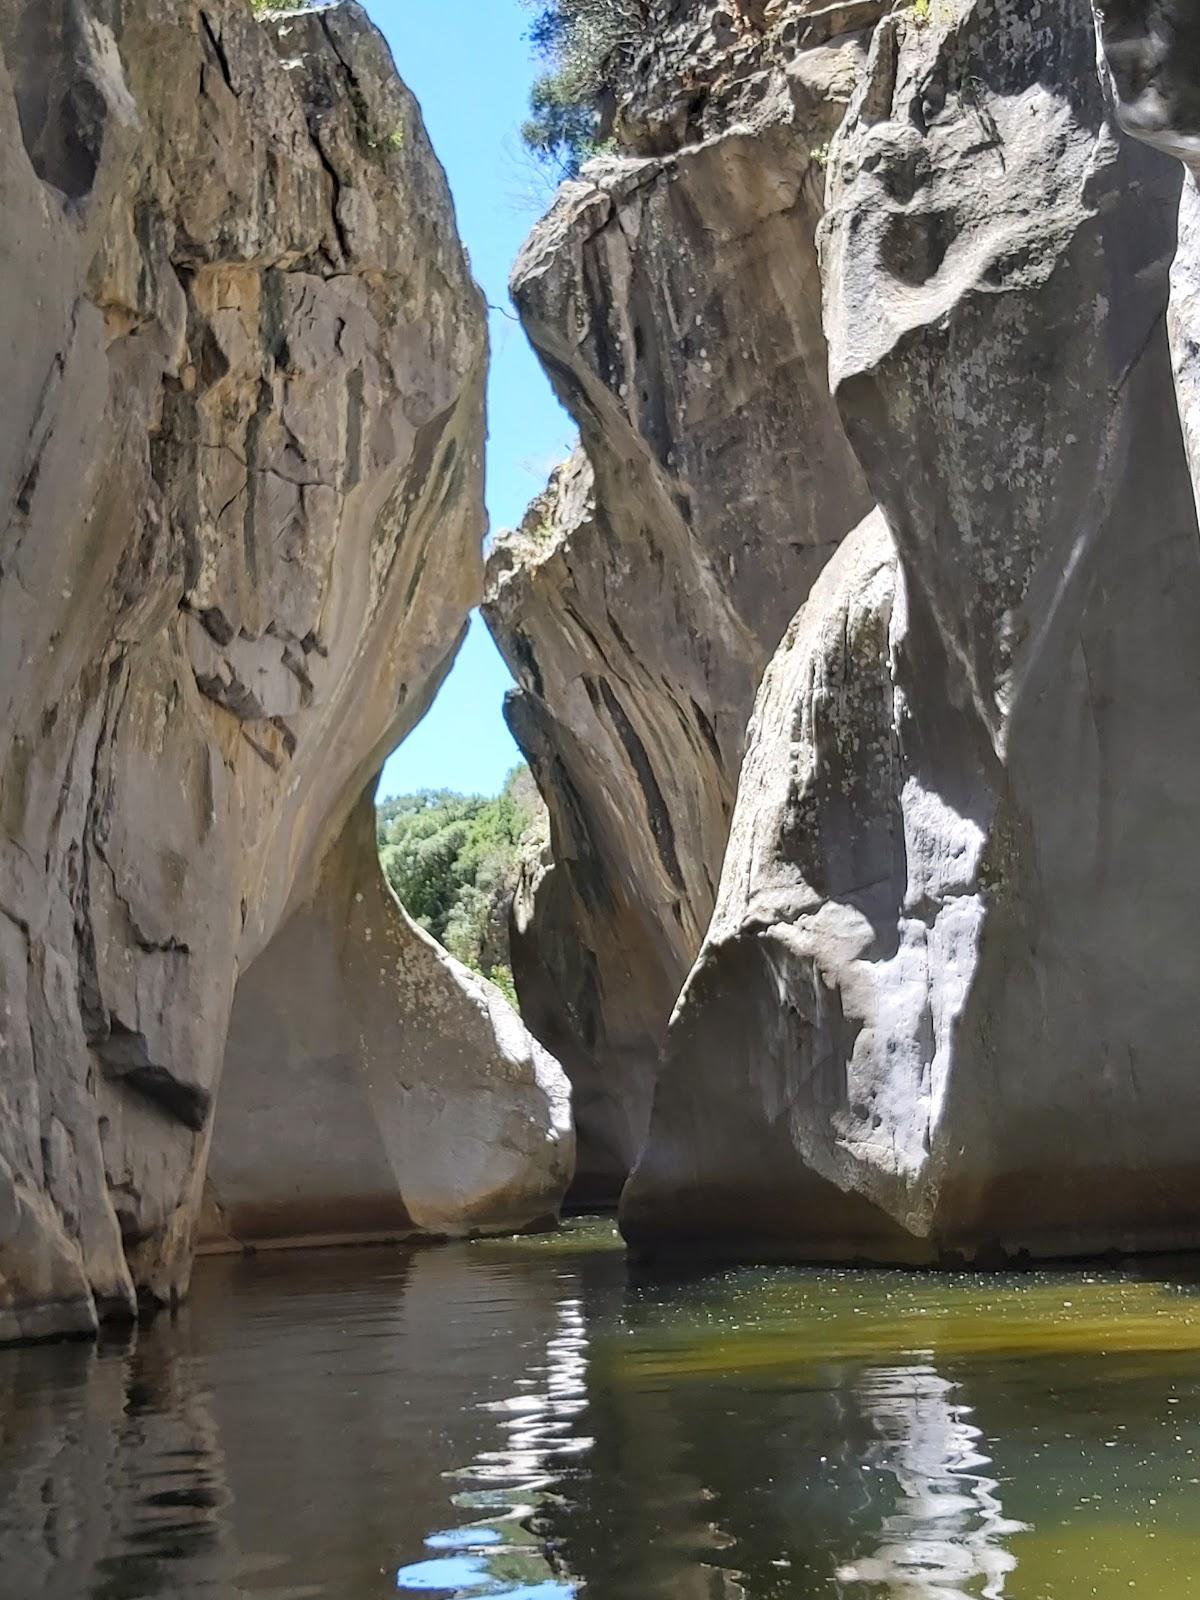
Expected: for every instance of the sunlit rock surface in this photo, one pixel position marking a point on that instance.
(947, 1005)
(674, 298)
(241, 484)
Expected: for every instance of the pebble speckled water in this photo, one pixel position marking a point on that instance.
(527, 1419)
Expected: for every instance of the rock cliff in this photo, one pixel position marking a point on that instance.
(240, 479)
(946, 1004)
(674, 298)
(396, 1091)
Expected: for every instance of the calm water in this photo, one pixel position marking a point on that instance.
(521, 1419)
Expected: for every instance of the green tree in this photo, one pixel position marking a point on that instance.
(454, 861)
(583, 43)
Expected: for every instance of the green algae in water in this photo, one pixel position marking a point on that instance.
(927, 1437)
(575, 1236)
(778, 1323)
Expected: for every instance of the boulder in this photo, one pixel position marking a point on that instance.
(959, 888)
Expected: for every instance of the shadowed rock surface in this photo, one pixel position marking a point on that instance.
(241, 485)
(951, 970)
(1153, 52)
(674, 299)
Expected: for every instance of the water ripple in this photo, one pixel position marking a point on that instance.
(502, 1555)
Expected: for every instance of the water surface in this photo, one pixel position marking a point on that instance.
(524, 1419)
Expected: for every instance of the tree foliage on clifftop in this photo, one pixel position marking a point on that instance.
(454, 861)
(582, 43)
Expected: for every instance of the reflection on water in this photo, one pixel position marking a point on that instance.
(947, 1535)
(518, 1419)
(499, 1554)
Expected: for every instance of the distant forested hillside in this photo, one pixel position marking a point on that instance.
(454, 861)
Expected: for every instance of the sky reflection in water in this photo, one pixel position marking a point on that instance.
(537, 1423)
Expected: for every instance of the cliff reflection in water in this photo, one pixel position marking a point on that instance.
(946, 1532)
(517, 1419)
(498, 1551)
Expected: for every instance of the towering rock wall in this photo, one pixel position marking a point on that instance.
(240, 479)
(673, 296)
(947, 1002)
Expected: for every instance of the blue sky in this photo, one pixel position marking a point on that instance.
(469, 65)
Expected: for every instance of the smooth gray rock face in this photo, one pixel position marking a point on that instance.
(395, 1091)
(740, 1157)
(957, 892)
(599, 949)
(240, 480)
(674, 300)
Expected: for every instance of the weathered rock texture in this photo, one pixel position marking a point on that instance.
(947, 1004)
(1153, 51)
(240, 478)
(673, 296)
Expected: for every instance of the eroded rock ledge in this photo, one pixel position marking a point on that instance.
(241, 481)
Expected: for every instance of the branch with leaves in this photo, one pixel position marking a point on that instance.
(585, 44)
